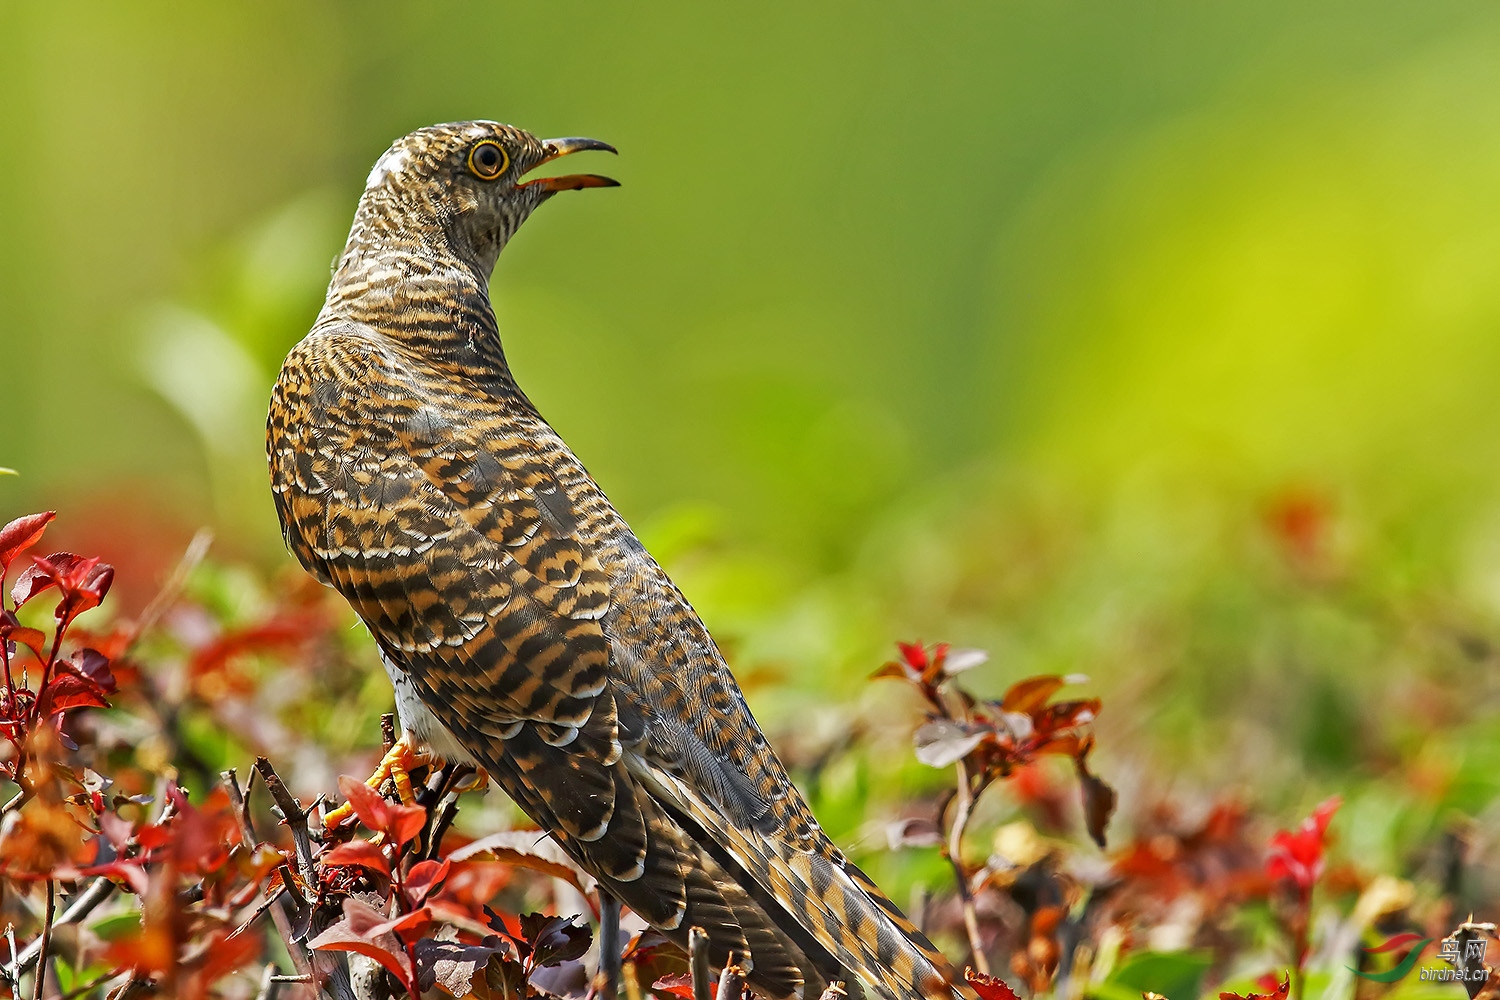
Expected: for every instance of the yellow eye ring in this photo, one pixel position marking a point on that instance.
(488, 160)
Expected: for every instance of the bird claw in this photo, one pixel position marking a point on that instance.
(399, 761)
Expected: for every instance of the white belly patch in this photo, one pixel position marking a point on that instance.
(417, 719)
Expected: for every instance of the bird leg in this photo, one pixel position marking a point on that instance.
(399, 761)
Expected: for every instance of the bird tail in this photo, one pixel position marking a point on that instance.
(808, 883)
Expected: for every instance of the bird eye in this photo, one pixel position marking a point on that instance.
(488, 160)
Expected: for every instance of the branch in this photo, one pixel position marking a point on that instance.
(698, 963)
(607, 980)
(98, 891)
(46, 940)
(279, 914)
(732, 980)
(954, 851)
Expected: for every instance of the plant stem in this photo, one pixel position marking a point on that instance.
(41, 965)
(954, 851)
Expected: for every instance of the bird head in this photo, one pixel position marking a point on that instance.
(463, 188)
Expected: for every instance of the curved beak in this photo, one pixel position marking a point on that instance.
(555, 148)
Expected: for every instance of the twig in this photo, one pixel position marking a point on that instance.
(698, 963)
(98, 891)
(834, 991)
(279, 915)
(955, 857)
(331, 968)
(87, 988)
(731, 982)
(262, 908)
(268, 983)
(41, 962)
(293, 817)
(191, 557)
(607, 981)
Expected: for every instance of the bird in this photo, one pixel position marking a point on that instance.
(525, 629)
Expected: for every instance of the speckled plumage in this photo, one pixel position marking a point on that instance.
(523, 624)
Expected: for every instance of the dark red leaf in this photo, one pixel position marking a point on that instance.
(680, 985)
(32, 581)
(989, 987)
(1098, 798)
(359, 852)
(454, 967)
(93, 665)
(554, 940)
(83, 583)
(20, 534)
(354, 933)
(66, 690)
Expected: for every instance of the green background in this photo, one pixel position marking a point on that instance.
(1020, 325)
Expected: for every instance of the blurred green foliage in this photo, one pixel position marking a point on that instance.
(1155, 341)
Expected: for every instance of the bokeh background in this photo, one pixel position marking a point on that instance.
(1155, 342)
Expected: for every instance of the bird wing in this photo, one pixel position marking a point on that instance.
(452, 535)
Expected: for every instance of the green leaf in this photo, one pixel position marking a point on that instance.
(1177, 975)
(117, 926)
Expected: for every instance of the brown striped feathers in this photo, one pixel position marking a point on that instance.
(523, 625)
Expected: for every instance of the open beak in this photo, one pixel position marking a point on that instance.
(570, 182)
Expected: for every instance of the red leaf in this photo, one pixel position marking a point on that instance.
(1298, 856)
(406, 823)
(354, 933)
(83, 583)
(67, 690)
(11, 630)
(1030, 695)
(1280, 993)
(358, 852)
(989, 987)
(400, 823)
(372, 810)
(129, 871)
(93, 666)
(425, 876)
(680, 985)
(414, 925)
(20, 535)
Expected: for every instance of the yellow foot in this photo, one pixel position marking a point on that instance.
(399, 761)
(475, 782)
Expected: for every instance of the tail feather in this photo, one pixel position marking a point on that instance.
(847, 917)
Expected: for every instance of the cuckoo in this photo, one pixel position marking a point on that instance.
(524, 627)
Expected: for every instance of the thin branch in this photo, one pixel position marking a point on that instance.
(279, 915)
(169, 592)
(607, 980)
(732, 981)
(698, 964)
(269, 983)
(293, 817)
(89, 987)
(332, 969)
(82, 905)
(962, 811)
(41, 962)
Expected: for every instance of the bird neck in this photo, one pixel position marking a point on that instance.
(432, 302)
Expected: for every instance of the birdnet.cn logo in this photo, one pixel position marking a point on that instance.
(1465, 957)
